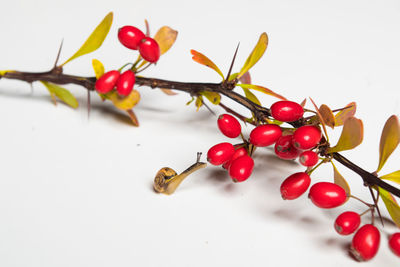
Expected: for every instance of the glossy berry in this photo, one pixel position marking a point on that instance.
(125, 83)
(149, 49)
(241, 168)
(347, 222)
(284, 148)
(241, 151)
(220, 153)
(107, 82)
(286, 111)
(308, 158)
(306, 137)
(265, 135)
(394, 243)
(327, 195)
(229, 126)
(295, 185)
(365, 243)
(130, 37)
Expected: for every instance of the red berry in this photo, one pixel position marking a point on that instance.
(306, 137)
(347, 222)
(365, 243)
(327, 195)
(229, 126)
(125, 83)
(241, 151)
(286, 111)
(130, 37)
(107, 82)
(308, 158)
(149, 49)
(265, 135)
(284, 148)
(241, 168)
(295, 185)
(394, 243)
(220, 153)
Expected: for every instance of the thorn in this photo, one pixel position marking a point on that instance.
(233, 61)
(147, 28)
(58, 54)
(31, 84)
(376, 204)
(209, 109)
(88, 104)
(198, 157)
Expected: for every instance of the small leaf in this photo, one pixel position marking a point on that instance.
(190, 101)
(165, 38)
(320, 118)
(199, 102)
(256, 54)
(3, 72)
(246, 78)
(133, 117)
(250, 96)
(63, 94)
(202, 59)
(303, 103)
(340, 181)
(213, 97)
(327, 115)
(391, 205)
(124, 102)
(394, 177)
(348, 111)
(351, 136)
(262, 90)
(168, 91)
(98, 68)
(96, 39)
(233, 76)
(390, 138)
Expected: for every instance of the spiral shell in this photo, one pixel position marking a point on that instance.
(162, 176)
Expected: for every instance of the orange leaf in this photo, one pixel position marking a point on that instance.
(202, 59)
(303, 103)
(327, 115)
(390, 138)
(262, 90)
(351, 136)
(348, 111)
(168, 91)
(133, 117)
(165, 38)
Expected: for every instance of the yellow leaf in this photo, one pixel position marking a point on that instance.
(165, 38)
(390, 138)
(348, 111)
(351, 136)
(3, 72)
(262, 90)
(327, 115)
(233, 76)
(250, 96)
(391, 205)
(256, 54)
(63, 94)
(98, 68)
(394, 177)
(124, 102)
(213, 97)
(202, 59)
(340, 181)
(168, 91)
(198, 102)
(96, 39)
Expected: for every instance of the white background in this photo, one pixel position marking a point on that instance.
(78, 192)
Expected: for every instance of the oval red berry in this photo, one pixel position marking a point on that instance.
(394, 243)
(327, 195)
(241, 151)
(295, 185)
(149, 49)
(286, 111)
(308, 158)
(125, 83)
(107, 81)
(265, 135)
(347, 222)
(284, 148)
(241, 168)
(365, 243)
(229, 126)
(220, 153)
(130, 37)
(306, 137)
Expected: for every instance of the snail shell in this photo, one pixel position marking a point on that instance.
(162, 176)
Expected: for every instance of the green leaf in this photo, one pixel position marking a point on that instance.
(394, 177)
(233, 76)
(213, 97)
(390, 138)
(98, 68)
(165, 38)
(340, 181)
(351, 136)
(202, 59)
(63, 94)
(96, 39)
(348, 111)
(190, 101)
(391, 205)
(250, 96)
(256, 54)
(261, 89)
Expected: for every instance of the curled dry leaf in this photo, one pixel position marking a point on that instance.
(390, 138)
(340, 181)
(165, 38)
(348, 111)
(327, 115)
(203, 60)
(124, 102)
(351, 136)
(256, 54)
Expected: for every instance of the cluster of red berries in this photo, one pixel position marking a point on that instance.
(113, 79)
